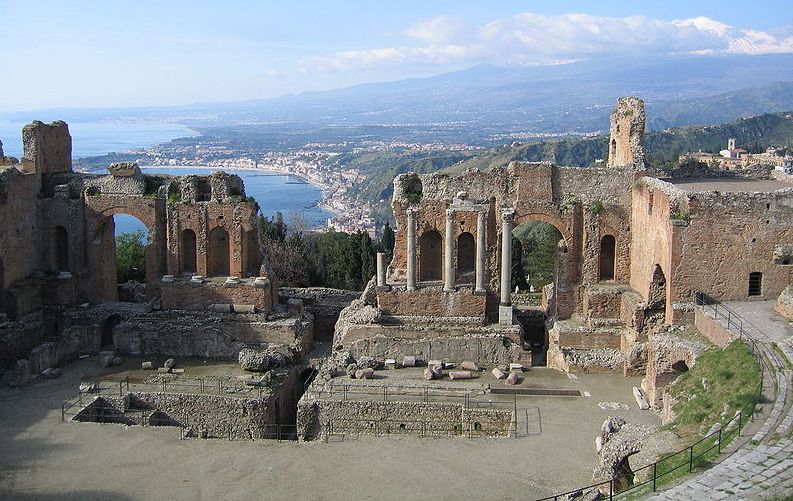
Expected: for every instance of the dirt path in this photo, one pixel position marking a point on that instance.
(43, 458)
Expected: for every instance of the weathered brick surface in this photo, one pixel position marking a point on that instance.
(432, 301)
(183, 295)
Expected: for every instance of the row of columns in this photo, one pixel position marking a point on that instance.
(449, 272)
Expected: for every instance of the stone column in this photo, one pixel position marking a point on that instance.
(411, 237)
(448, 257)
(505, 306)
(381, 271)
(480, 252)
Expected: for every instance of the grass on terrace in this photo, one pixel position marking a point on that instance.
(732, 378)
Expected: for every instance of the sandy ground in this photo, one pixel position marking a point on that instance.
(43, 458)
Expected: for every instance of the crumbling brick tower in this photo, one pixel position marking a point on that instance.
(626, 141)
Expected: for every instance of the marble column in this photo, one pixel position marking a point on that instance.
(411, 237)
(480, 252)
(448, 256)
(381, 269)
(506, 256)
(505, 306)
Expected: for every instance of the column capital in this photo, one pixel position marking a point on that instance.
(450, 212)
(507, 213)
(411, 212)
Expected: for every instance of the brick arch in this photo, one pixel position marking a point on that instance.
(101, 209)
(523, 218)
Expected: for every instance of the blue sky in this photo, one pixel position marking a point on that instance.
(100, 54)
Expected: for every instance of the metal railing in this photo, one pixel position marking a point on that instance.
(699, 453)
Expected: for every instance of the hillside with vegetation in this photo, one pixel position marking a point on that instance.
(663, 147)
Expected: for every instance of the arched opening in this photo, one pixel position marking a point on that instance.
(218, 263)
(608, 257)
(121, 244)
(188, 252)
(680, 366)
(107, 330)
(613, 148)
(252, 260)
(656, 298)
(533, 255)
(755, 283)
(61, 249)
(430, 256)
(466, 256)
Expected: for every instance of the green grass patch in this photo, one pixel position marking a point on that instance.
(785, 359)
(732, 378)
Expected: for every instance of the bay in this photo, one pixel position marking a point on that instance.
(274, 192)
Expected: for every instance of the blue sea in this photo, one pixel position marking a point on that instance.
(290, 195)
(91, 139)
(274, 192)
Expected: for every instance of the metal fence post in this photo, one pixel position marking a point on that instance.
(655, 467)
(718, 448)
(691, 459)
(740, 414)
(611, 489)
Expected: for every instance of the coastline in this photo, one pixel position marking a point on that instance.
(322, 186)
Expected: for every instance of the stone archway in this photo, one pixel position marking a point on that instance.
(466, 254)
(218, 253)
(101, 245)
(430, 256)
(187, 251)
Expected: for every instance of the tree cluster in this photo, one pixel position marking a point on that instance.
(130, 257)
(299, 258)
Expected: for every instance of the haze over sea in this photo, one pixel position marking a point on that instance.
(274, 192)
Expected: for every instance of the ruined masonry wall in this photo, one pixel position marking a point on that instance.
(407, 418)
(183, 295)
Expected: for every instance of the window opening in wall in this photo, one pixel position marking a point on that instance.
(61, 249)
(755, 283)
(607, 257)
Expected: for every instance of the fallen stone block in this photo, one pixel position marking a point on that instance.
(598, 443)
(169, 364)
(512, 378)
(243, 308)
(147, 366)
(177, 371)
(117, 361)
(640, 400)
(163, 370)
(351, 369)
(106, 360)
(429, 374)
(469, 366)
(368, 373)
(461, 375)
(516, 367)
(498, 373)
(390, 364)
(219, 308)
(408, 361)
(432, 363)
(437, 371)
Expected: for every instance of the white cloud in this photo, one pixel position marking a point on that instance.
(529, 38)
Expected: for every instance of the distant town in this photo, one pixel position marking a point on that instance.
(733, 158)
